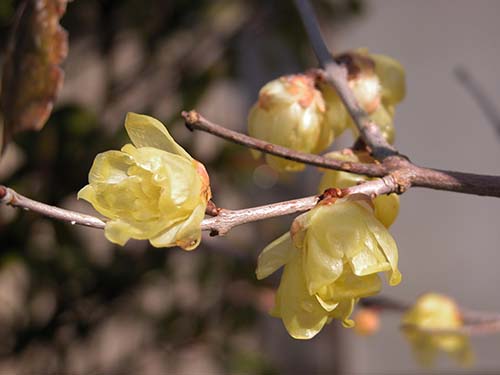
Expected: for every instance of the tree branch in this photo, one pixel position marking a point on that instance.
(405, 173)
(14, 199)
(224, 220)
(336, 75)
(195, 121)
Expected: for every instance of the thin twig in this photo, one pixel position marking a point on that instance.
(479, 95)
(14, 199)
(336, 75)
(195, 121)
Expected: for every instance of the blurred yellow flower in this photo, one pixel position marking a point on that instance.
(151, 190)
(331, 258)
(433, 311)
(290, 113)
(386, 206)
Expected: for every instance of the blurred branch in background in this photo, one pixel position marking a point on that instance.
(473, 87)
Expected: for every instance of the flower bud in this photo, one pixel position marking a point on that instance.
(290, 113)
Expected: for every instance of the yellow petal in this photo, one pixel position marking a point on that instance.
(301, 313)
(322, 265)
(392, 76)
(146, 131)
(351, 286)
(110, 167)
(344, 311)
(388, 246)
(274, 256)
(186, 234)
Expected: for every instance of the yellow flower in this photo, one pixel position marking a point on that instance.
(290, 113)
(433, 311)
(386, 206)
(378, 83)
(331, 258)
(151, 190)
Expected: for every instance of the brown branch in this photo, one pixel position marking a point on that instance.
(223, 219)
(14, 199)
(195, 121)
(404, 173)
(336, 75)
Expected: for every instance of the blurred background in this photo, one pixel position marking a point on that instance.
(70, 302)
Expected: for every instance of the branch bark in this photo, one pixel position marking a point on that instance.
(405, 173)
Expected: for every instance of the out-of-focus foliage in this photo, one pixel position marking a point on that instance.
(32, 77)
(75, 303)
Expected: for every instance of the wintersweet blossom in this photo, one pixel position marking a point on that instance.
(290, 113)
(331, 257)
(151, 189)
(435, 312)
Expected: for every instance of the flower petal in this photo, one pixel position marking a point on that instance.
(186, 234)
(274, 256)
(388, 246)
(146, 131)
(301, 313)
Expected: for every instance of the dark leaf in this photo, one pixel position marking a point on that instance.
(32, 77)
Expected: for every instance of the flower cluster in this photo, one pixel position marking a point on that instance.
(430, 314)
(302, 113)
(331, 257)
(151, 190)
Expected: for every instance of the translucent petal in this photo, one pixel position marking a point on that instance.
(146, 131)
(186, 234)
(301, 313)
(119, 232)
(392, 76)
(386, 208)
(274, 256)
(388, 246)
(350, 286)
(344, 311)
(110, 167)
(321, 264)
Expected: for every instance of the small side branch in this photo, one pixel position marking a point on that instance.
(479, 95)
(195, 121)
